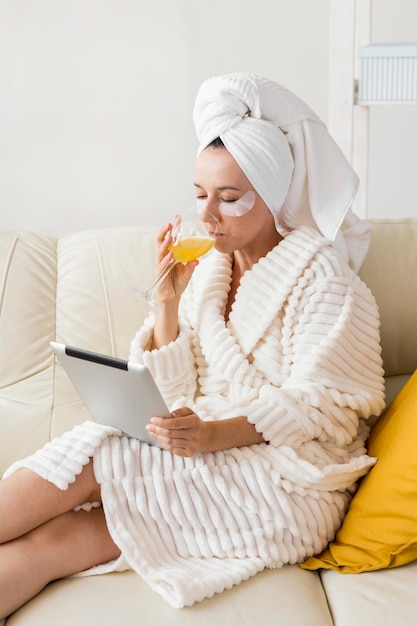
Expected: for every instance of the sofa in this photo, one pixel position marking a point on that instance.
(77, 290)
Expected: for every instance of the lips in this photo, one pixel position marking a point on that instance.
(215, 235)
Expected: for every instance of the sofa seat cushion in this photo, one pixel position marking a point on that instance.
(286, 596)
(387, 596)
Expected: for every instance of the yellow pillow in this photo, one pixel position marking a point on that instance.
(380, 527)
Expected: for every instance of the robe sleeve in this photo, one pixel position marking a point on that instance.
(172, 366)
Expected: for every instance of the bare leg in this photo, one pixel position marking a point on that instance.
(27, 500)
(65, 545)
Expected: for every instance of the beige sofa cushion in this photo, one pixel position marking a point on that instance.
(390, 270)
(385, 597)
(288, 596)
(73, 290)
(27, 321)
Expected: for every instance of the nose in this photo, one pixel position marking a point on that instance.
(208, 210)
(209, 213)
(210, 220)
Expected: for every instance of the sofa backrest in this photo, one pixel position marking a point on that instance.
(76, 290)
(390, 271)
(73, 290)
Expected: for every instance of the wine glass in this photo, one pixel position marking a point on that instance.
(188, 244)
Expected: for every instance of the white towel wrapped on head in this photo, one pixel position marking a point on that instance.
(287, 154)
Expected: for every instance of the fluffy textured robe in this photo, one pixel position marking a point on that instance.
(299, 357)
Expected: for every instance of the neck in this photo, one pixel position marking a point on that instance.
(245, 258)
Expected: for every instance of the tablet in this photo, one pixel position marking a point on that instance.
(115, 392)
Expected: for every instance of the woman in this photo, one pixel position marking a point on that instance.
(268, 353)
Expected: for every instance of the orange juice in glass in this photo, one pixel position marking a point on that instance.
(187, 249)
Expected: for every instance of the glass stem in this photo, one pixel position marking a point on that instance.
(149, 294)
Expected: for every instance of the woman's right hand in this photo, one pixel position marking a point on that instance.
(166, 327)
(177, 280)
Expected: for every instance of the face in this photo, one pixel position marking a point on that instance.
(219, 183)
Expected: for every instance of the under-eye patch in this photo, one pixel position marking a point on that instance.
(231, 209)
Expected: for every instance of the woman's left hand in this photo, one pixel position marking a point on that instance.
(184, 433)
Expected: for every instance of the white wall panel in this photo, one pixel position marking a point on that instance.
(96, 98)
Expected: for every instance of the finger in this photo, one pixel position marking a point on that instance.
(169, 428)
(162, 233)
(177, 445)
(182, 412)
(163, 251)
(186, 271)
(186, 422)
(168, 229)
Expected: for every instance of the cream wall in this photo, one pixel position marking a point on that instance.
(96, 97)
(392, 176)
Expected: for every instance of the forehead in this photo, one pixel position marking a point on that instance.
(217, 167)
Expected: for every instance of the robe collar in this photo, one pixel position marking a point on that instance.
(262, 293)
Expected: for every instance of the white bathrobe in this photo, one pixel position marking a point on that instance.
(300, 357)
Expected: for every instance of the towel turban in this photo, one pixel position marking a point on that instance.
(287, 154)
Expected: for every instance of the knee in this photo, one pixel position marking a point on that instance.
(43, 541)
(85, 488)
(71, 543)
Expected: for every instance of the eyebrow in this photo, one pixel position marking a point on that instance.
(223, 188)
